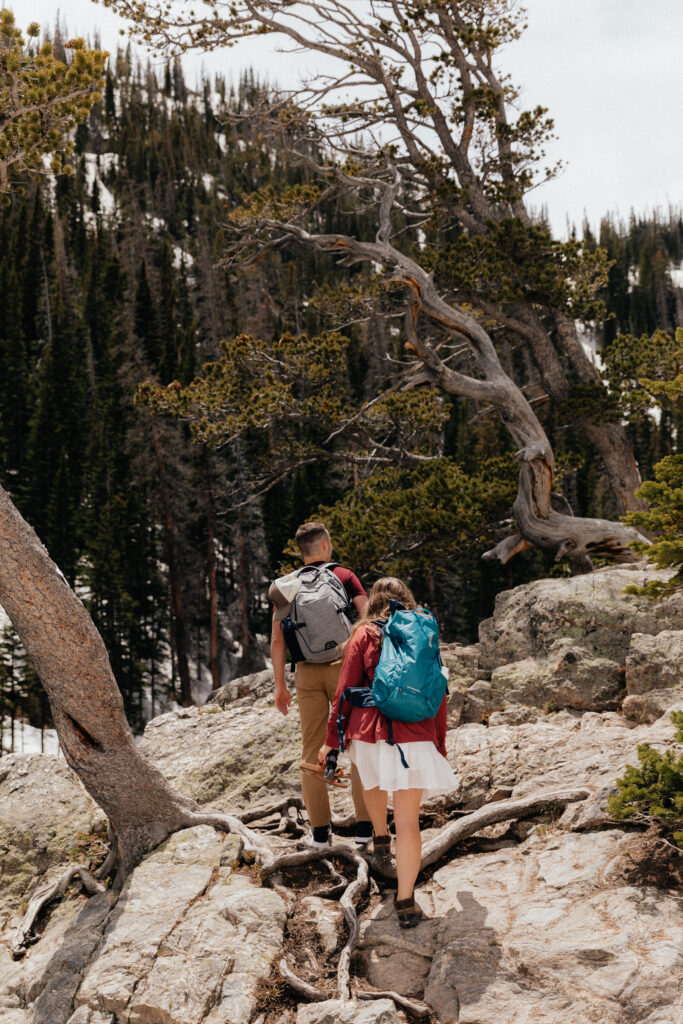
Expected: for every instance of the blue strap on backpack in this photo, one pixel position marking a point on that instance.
(410, 682)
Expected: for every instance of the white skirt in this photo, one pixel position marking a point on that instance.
(379, 764)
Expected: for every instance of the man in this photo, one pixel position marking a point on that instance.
(315, 688)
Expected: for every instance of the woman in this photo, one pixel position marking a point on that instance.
(379, 763)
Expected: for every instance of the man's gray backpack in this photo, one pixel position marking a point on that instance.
(319, 619)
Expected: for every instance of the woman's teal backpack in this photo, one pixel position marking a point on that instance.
(410, 680)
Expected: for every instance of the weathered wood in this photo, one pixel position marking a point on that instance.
(347, 901)
(490, 814)
(52, 891)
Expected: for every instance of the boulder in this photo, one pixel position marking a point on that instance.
(247, 688)
(647, 707)
(514, 714)
(333, 1011)
(558, 750)
(540, 932)
(44, 812)
(570, 675)
(188, 942)
(655, 662)
(591, 610)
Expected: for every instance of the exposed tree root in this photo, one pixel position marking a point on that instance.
(299, 985)
(333, 891)
(255, 844)
(489, 814)
(281, 807)
(418, 1009)
(54, 890)
(347, 901)
(110, 862)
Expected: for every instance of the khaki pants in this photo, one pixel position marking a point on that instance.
(315, 689)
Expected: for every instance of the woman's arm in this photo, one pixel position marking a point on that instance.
(441, 723)
(350, 674)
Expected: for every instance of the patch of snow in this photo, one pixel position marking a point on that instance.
(27, 739)
(181, 257)
(633, 277)
(586, 335)
(207, 181)
(92, 174)
(676, 275)
(222, 142)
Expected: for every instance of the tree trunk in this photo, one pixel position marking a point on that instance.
(243, 591)
(211, 572)
(177, 616)
(69, 656)
(609, 439)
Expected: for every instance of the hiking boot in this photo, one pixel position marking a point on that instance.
(381, 850)
(320, 837)
(363, 833)
(409, 912)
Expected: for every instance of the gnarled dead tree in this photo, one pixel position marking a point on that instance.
(443, 145)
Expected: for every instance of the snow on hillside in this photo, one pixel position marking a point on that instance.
(676, 275)
(27, 739)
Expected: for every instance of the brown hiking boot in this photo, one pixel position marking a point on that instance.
(409, 912)
(381, 850)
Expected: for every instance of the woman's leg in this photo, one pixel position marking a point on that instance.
(376, 803)
(408, 840)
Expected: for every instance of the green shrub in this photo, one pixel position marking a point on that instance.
(655, 789)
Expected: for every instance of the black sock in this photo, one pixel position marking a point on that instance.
(363, 829)
(321, 833)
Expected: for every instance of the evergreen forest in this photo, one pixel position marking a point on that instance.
(113, 294)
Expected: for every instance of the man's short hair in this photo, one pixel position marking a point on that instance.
(309, 536)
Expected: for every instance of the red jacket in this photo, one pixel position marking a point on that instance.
(369, 724)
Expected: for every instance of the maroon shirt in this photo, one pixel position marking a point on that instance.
(352, 585)
(369, 724)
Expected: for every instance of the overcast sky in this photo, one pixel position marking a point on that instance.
(610, 72)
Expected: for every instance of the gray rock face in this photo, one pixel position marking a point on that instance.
(557, 750)
(537, 932)
(43, 807)
(232, 757)
(570, 675)
(247, 688)
(591, 609)
(239, 755)
(377, 1011)
(544, 930)
(188, 941)
(655, 662)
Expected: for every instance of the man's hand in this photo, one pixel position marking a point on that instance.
(283, 698)
(322, 754)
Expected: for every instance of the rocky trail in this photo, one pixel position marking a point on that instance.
(556, 915)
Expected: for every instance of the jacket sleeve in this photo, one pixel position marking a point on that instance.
(351, 674)
(441, 724)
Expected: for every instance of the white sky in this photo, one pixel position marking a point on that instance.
(610, 72)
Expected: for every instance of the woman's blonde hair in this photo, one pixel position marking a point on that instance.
(379, 597)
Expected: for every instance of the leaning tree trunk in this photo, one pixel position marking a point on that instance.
(69, 655)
